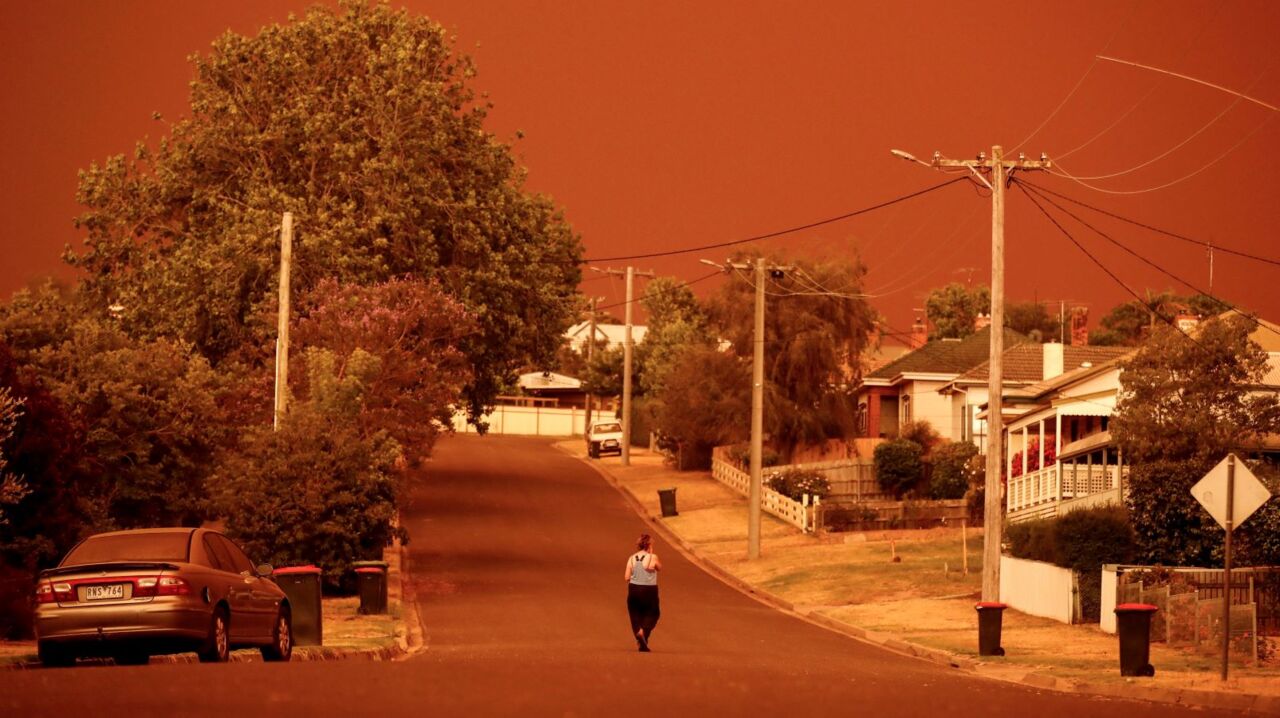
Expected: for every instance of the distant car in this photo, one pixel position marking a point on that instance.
(133, 594)
(604, 437)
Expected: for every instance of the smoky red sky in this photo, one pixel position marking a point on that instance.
(664, 125)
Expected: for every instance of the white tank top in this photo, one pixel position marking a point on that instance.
(639, 575)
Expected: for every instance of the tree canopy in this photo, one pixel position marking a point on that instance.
(952, 310)
(362, 122)
(816, 326)
(1185, 403)
(1129, 323)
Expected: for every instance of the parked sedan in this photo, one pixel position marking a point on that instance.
(133, 594)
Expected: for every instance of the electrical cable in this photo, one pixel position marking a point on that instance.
(1079, 82)
(1104, 268)
(1167, 233)
(1225, 306)
(1062, 172)
(770, 235)
(1169, 151)
(642, 297)
(1193, 42)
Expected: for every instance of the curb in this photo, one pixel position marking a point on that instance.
(407, 644)
(1250, 703)
(303, 654)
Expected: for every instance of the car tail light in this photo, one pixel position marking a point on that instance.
(172, 586)
(160, 586)
(51, 592)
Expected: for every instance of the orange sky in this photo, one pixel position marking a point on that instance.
(662, 125)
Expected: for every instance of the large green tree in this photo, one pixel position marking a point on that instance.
(816, 327)
(952, 309)
(362, 122)
(1185, 403)
(1127, 324)
(677, 321)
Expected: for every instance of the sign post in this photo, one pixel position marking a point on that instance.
(1230, 493)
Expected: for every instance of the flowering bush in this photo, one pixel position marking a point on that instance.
(795, 483)
(1033, 455)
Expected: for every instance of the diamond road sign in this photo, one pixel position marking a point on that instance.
(1211, 492)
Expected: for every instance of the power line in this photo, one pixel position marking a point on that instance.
(1079, 82)
(779, 233)
(1221, 303)
(1152, 228)
(1231, 106)
(1193, 42)
(1103, 267)
(682, 285)
(1062, 172)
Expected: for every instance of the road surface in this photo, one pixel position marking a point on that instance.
(517, 557)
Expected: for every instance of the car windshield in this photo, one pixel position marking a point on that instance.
(607, 428)
(159, 546)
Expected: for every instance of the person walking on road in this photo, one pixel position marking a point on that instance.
(642, 591)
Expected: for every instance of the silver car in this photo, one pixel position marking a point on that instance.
(133, 594)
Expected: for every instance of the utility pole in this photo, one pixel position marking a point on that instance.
(628, 346)
(282, 326)
(591, 346)
(760, 267)
(999, 170)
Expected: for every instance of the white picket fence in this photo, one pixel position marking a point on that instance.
(793, 512)
(528, 421)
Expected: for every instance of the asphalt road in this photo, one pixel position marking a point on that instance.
(517, 556)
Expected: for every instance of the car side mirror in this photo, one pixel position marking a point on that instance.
(265, 569)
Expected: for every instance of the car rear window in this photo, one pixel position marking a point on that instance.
(607, 428)
(166, 546)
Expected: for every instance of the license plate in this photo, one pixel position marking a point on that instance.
(610, 442)
(104, 592)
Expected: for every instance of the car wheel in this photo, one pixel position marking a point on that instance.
(132, 658)
(281, 647)
(54, 656)
(217, 646)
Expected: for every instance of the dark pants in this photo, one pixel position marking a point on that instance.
(642, 604)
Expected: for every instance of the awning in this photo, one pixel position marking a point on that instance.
(1102, 406)
(1092, 442)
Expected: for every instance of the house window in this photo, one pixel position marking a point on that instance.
(966, 422)
(863, 420)
(906, 408)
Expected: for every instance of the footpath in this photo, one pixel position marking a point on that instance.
(348, 635)
(921, 604)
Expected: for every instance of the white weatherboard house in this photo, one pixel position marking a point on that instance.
(1059, 454)
(611, 334)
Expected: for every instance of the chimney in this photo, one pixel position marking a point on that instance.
(1052, 360)
(982, 321)
(919, 333)
(1079, 326)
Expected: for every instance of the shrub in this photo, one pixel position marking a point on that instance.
(951, 470)
(922, 433)
(315, 491)
(898, 465)
(1082, 541)
(795, 483)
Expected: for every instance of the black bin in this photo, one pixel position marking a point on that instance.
(371, 581)
(667, 499)
(990, 618)
(302, 585)
(1133, 624)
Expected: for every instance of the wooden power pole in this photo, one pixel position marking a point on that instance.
(282, 325)
(628, 347)
(999, 170)
(760, 269)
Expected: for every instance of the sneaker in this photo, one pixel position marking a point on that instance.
(642, 642)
